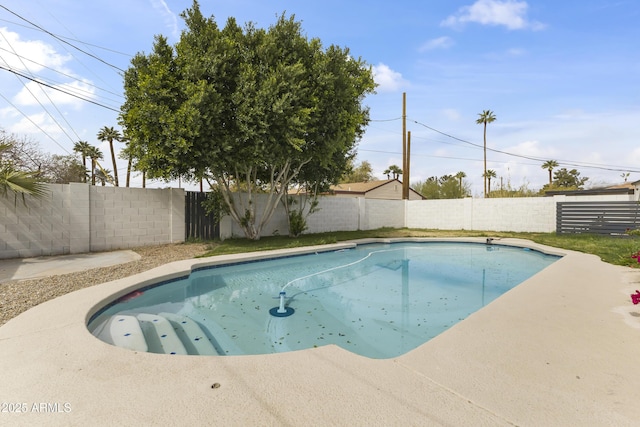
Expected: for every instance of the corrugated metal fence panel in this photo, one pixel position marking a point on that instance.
(597, 217)
(198, 225)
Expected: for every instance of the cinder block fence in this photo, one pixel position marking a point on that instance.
(79, 218)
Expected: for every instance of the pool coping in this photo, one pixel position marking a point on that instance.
(560, 348)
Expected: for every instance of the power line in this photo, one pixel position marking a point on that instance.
(537, 159)
(71, 39)
(58, 89)
(63, 74)
(387, 120)
(62, 40)
(35, 124)
(612, 168)
(45, 94)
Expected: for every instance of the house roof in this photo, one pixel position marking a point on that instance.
(365, 187)
(624, 188)
(360, 187)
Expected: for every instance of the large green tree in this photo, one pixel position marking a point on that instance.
(484, 118)
(244, 107)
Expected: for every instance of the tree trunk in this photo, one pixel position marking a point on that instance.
(115, 166)
(129, 170)
(485, 159)
(245, 214)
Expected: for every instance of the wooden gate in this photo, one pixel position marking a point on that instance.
(611, 218)
(198, 225)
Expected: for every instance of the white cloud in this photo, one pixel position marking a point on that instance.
(34, 54)
(387, 79)
(170, 18)
(32, 94)
(509, 13)
(437, 43)
(28, 125)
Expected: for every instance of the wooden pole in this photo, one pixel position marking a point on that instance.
(404, 143)
(407, 174)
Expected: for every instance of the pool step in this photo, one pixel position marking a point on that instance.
(165, 333)
(160, 335)
(190, 333)
(122, 331)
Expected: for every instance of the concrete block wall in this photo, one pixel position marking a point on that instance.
(37, 226)
(336, 214)
(530, 214)
(79, 218)
(276, 226)
(333, 214)
(383, 213)
(450, 214)
(525, 214)
(79, 211)
(130, 217)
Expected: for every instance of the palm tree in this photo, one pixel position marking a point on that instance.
(104, 175)
(83, 147)
(488, 175)
(459, 176)
(550, 165)
(110, 134)
(18, 182)
(485, 118)
(126, 155)
(393, 169)
(94, 154)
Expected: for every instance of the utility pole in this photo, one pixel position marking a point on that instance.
(405, 179)
(405, 192)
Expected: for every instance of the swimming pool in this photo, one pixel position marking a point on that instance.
(378, 300)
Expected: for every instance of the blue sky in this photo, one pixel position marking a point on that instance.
(563, 78)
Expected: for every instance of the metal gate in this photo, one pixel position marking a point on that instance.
(611, 218)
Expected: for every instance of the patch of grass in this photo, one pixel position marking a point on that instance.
(614, 250)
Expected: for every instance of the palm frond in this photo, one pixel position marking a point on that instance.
(20, 183)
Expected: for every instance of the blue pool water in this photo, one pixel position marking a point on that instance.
(376, 300)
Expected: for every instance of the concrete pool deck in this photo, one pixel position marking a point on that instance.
(560, 349)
